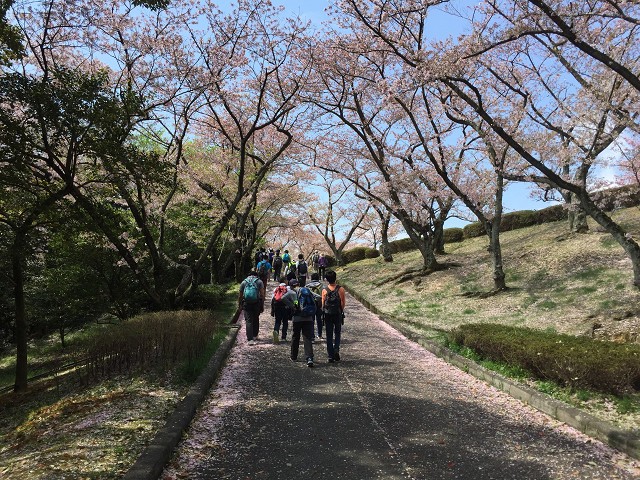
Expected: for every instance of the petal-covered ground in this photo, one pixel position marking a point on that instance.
(388, 410)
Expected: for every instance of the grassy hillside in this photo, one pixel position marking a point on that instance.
(558, 282)
(577, 284)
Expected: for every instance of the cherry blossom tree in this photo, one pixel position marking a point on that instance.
(367, 136)
(395, 27)
(337, 218)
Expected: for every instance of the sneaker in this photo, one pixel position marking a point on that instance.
(275, 337)
(283, 339)
(251, 342)
(330, 360)
(294, 359)
(309, 362)
(336, 356)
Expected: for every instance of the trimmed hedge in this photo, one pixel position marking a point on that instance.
(359, 253)
(519, 219)
(578, 362)
(402, 245)
(453, 235)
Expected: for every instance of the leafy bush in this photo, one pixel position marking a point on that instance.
(402, 245)
(473, 230)
(519, 219)
(453, 235)
(359, 253)
(577, 362)
(206, 297)
(153, 340)
(371, 253)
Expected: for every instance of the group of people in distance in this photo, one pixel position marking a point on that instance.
(310, 306)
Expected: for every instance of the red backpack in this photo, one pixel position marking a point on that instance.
(279, 293)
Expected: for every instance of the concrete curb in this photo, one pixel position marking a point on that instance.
(606, 432)
(154, 458)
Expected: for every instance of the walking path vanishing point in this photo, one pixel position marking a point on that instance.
(388, 410)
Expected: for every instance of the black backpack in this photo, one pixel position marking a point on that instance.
(302, 268)
(277, 263)
(332, 303)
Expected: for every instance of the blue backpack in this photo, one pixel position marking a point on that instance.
(250, 293)
(306, 303)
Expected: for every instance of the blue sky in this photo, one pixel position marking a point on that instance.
(517, 196)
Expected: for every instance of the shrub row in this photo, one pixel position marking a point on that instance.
(453, 235)
(619, 197)
(359, 253)
(577, 362)
(153, 340)
(519, 219)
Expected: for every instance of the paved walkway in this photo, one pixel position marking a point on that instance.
(388, 410)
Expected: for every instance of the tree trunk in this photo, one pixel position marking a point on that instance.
(438, 237)
(17, 263)
(577, 216)
(625, 240)
(496, 249)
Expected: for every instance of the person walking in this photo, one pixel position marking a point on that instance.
(277, 266)
(282, 304)
(315, 285)
(290, 271)
(301, 270)
(315, 257)
(303, 322)
(322, 265)
(251, 300)
(333, 303)
(263, 267)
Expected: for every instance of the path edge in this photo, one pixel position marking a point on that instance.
(156, 455)
(606, 432)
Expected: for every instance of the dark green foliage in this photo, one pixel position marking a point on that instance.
(371, 253)
(206, 297)
(453, 235)
(11, 39)
(402, 245)
(577, 362)
(519, 219)
(155, 340)
(473, 230)
(359, 253)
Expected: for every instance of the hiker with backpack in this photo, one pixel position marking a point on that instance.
(263, 268)
(333, 302)
(277, 265)
(305, 310)
(322, 265)
(290, 272)
(282, 304)
(315, 285)
(315, 257)
(251, 301)
(286, 258)
(301, 270)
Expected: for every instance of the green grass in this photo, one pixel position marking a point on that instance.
(547, 305)
(590, 274)
(188, 371)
